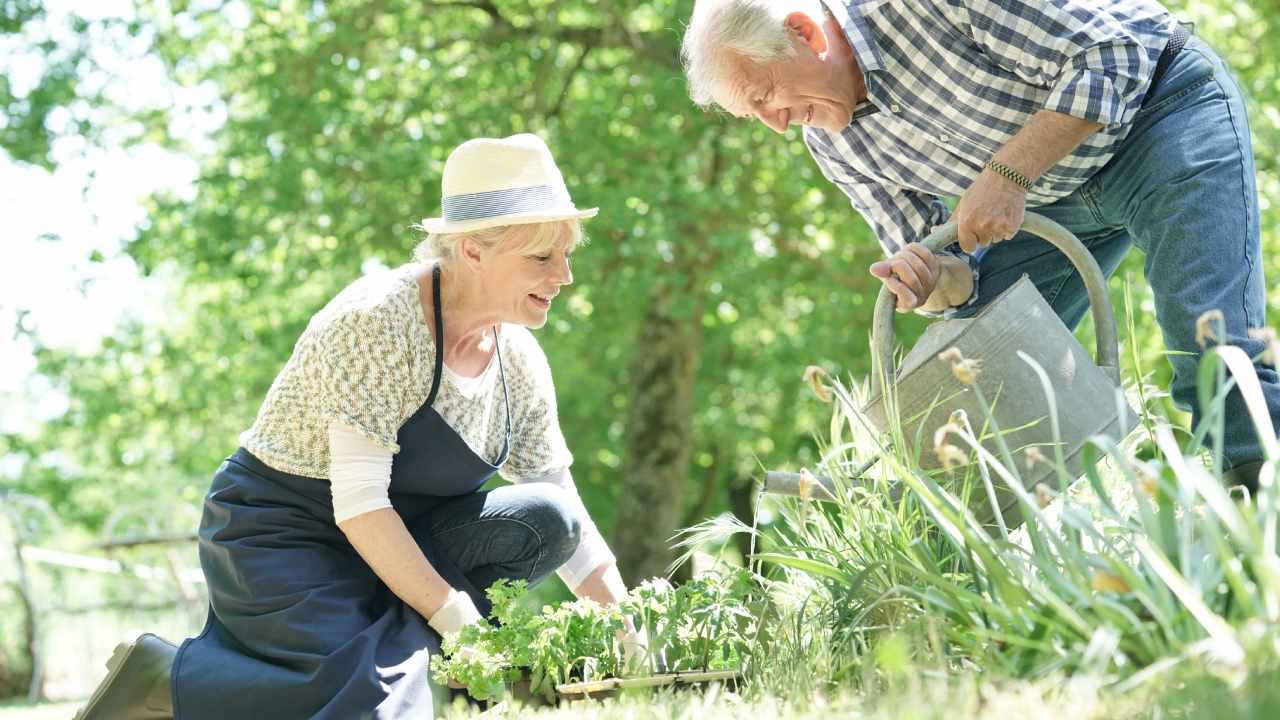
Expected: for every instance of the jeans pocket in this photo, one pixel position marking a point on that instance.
(1173, 98)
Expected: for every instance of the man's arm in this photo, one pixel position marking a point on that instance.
(1096, 65)
(1044, 141)
(993, 207)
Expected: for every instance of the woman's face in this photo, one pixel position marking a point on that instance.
(523, 282)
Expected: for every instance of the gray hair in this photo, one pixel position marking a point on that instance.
(722, 30)
(532, 238)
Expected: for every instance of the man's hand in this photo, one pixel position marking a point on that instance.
(911, 274)
(951, 284)
(991, 211)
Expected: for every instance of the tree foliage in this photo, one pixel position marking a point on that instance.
(721, 263)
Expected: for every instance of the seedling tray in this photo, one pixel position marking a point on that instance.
(579, 690)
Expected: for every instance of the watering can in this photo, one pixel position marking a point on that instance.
(926, 391)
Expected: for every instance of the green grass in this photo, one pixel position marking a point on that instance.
(1146, 590)
(920, 695)
(930, 696)
(1146, 573)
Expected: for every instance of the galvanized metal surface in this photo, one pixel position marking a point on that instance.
(1017, 326)
(1107, 347)
(817, 487)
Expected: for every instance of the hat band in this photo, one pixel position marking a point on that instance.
(496, 203)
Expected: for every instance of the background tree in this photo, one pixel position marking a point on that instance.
(720, 266)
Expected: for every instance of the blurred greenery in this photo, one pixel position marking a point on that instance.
(721, 263)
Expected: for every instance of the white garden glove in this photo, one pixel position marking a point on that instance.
(635, 647)
(456, 613)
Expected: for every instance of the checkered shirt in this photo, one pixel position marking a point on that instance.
(949, 82)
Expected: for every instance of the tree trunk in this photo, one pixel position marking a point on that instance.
(658, 442)
(742, 502)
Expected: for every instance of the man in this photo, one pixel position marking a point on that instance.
(1104, 115)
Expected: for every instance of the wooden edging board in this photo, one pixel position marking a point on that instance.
(595, 686)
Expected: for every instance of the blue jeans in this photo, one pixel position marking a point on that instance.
(1181, 188)
(519, 532)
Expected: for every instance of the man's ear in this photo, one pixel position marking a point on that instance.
(808, 30)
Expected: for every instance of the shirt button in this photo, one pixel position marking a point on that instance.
(944, 139)
(894, 107)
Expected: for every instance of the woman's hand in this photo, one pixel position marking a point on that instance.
(457, 612)
(604, 585)
(635, 645)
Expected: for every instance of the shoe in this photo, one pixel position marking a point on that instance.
(137, 686)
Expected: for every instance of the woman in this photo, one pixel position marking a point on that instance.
(348, 532)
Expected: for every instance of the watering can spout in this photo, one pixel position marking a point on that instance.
(1112, 372)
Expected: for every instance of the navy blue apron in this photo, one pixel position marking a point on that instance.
(299, 626)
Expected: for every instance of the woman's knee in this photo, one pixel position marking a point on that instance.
(552, 512)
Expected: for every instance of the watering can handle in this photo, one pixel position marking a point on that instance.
(1107, 356)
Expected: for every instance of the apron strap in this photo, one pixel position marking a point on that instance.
(506, 399)
(435, 380)
(435, 302)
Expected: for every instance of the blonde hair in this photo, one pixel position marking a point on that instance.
(532, 238)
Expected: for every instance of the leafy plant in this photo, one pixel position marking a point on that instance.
(1150, 564)
(707, 623)
(703, 624)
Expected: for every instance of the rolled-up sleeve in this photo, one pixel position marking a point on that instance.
(1095, 67)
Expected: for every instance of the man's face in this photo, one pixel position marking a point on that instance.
(814, 88)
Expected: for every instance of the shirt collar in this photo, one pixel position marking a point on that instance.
(848, 13)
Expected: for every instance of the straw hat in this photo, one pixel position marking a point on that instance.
(509, 181)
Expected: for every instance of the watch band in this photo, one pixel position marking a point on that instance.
(1010, 174)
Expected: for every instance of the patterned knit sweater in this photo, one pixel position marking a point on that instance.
(367, 360)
